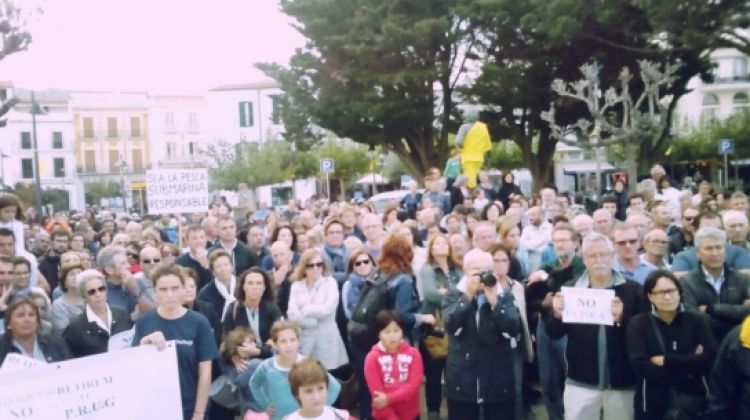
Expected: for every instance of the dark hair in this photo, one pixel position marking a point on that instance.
(193, 229)
(7, 200)
(166, 269)
(22, 260)
(308, 371)
(13, 306)
(64, 270)
(239, 292)
(100, 235)
(7, 232)
(355, 255)
(706, 215)
(233, 340)
(277, 231)
(607, 199)
(636, 195)
(216, 255)
(486, 209)
(384, 318)
(653, 277)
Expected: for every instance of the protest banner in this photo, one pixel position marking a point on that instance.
(587, 306)
(14, 362)
(136, 383)
(177, 191)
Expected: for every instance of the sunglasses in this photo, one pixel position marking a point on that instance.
(155, 261)
(361, 262)
(100, 289)
(315, 265)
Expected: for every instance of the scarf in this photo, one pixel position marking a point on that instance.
(338, 258)
(228, 297)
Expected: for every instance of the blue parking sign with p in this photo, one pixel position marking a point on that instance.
(327, 166)
(726, 147)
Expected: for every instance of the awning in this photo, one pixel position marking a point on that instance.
(585, 167)
(368, 179)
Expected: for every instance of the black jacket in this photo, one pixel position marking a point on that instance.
(480, 359)
(268, 313)
(683, 368)
(86, 338)
(505, 191)
(678, 243)
(726, 309)
(53, 347)
(243, 257)
(204, 274)
(730, 380)
(206, 309)
(49, 266)
(582, 351)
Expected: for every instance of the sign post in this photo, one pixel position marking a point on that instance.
(726, 148)
(327, 166)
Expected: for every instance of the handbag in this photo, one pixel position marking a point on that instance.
(437, 346)
(224, 392)
(682, 406)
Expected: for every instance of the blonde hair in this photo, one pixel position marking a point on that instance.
(307, 256)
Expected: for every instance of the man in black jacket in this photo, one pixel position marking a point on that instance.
(600, 380)
(49, 265)
(683, 237)
(197, 256)
(242, 258)
(714, 288)
(730, 380)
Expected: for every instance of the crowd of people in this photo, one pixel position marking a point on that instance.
(454, 292)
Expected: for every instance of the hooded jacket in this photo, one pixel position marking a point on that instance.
(399, 376)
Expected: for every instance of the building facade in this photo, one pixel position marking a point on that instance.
(112, 142)
(245, 113)
(178, 131)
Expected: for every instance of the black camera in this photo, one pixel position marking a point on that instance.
(487, 278)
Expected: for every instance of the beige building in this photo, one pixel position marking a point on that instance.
(112, 141)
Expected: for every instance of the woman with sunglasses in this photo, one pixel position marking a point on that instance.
(313, 300)
(361, 267)
(22, 336)
(89, 333)
(669, 348)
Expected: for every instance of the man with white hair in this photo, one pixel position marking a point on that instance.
(583, 224)
(480, 320)
(657, 171)
(656, 247)
(134, 231)
(603, 222)
(735, 224)
(642, 221)
(600, 382)
(714, 288)
(484, 236)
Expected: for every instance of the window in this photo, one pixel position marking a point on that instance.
(739, 68)
(25, 140)
(135, 127)
(171, 150)
(169, 121)
(193, 124)
(114, 160)
(57, 141)
(88, 127)
(710, 100)
(723, 71)
(246, 114)
(112, 127)
(275, 112)
(89, 161)
(137, 160)
(27, 168)
(191, 148)
(740, 102)
(59, 164)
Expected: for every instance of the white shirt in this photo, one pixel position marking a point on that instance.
(715, 282)
(92, 317)
(328, 413)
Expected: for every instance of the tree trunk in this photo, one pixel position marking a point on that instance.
(632, 153)
(342, 195)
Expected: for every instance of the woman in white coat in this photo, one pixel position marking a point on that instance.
(313, 300)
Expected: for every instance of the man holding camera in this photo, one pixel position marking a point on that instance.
(480, 320)
(600, 382)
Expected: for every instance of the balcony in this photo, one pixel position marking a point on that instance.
(107, 170)
(111, 135)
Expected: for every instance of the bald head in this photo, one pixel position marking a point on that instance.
(477, 260)
(583, 224)
(484, 236)
(281, 253)
(736, 227)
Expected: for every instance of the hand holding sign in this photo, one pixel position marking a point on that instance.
(589, 306)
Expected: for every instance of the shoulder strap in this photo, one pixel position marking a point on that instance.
(657, 332)
(234, 312)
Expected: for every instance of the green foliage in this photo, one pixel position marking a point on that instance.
(703, 144)
(505, 155)
(95, 191)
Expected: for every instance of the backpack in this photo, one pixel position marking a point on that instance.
(374, 298)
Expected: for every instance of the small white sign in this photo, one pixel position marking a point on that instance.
(172, 191)
(327, 166)
(15, 362)
(588, 306)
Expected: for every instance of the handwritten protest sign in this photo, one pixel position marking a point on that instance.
(136, 383)
(177, 190)
(14, 362)
(588, 306)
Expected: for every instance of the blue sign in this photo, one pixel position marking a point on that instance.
(726, 147)
(327, 166)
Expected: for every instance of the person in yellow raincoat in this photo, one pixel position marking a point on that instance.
(473, 139)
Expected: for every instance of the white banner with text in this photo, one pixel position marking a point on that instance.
(588, 306)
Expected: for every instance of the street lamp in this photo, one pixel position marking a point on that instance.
(36, 109)
(122, 165)
(2, 170)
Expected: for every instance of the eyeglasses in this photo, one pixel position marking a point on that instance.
(315, 265)
(627, 242)
(155, 261)
(362, 262)
(100, 289)
(664, 293)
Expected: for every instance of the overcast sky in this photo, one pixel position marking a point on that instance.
(161, 46)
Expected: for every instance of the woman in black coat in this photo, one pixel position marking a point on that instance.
(668, 348)
(254, 308)
(22, 323)
(507, 189)
(89, 333)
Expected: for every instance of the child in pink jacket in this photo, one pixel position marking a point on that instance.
(393, 370)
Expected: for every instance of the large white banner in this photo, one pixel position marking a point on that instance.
(588, 306)
(177, 190)
(136, 383)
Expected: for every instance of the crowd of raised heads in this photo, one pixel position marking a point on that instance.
(451, 303)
